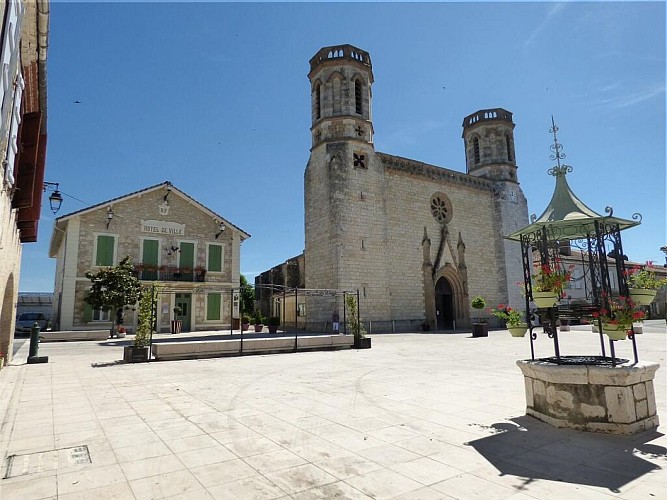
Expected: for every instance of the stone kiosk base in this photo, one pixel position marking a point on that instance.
(612, 399)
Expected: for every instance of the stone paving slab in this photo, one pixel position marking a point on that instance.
(418, 416)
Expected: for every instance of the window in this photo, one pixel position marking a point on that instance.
(213, 306)
(99, 315)
(215, 253)
(509, 148)
(318, 101)
(104, 251)
(186, 258)
(475, 145)
(358, 97)
(149, 258)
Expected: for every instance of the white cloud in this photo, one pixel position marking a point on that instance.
(537, 31)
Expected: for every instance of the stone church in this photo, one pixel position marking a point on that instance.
(418, 241)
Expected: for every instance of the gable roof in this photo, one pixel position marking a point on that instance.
(60, 222)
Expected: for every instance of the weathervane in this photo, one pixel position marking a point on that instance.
(557, 154)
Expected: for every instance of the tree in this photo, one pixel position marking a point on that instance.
(113, 288)
(247, 296)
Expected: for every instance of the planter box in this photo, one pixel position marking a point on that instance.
(133, 354)
(480, 330)
(362, 343)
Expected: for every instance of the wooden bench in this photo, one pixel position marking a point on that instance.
(73, 335)
(219, 348)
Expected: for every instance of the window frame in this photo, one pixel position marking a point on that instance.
(222, 257)
(220, 307)
(114, 254)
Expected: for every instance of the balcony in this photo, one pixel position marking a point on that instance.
(169, 273)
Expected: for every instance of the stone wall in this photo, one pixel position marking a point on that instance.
(612, 399)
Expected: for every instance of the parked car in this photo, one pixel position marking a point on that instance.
(26, 320)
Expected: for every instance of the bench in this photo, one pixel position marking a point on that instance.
(219, 348)
(73, 335)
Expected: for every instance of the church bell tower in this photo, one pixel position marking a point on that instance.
(345, 224)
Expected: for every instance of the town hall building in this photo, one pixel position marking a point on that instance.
(418, 241)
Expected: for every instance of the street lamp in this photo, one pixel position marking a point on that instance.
(56, 199)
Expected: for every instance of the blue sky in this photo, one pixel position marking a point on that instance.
(215, 98)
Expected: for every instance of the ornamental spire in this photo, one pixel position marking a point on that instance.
(557, 154)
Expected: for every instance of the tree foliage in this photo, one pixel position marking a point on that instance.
(353, 322)
(247, 296)
(147, 315)
(114, 287)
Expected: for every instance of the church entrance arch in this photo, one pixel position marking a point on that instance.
(444, 305)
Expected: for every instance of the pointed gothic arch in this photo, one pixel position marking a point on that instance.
(451, 299)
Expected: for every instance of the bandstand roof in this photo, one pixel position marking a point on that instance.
(567, 217)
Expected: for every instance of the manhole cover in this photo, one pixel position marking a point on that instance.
(32, 463)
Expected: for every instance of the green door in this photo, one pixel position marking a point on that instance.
(149, 259)
(184, 301)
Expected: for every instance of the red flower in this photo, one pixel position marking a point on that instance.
(595, 314)
(508, 309)
(501, 306)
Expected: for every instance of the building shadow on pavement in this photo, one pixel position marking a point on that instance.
(527, 448)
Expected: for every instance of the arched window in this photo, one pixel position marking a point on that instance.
(336, 96)
(509, 148)
(358, 97)
(475, 146)
(318, 101)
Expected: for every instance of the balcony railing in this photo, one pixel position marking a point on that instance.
(169, 273)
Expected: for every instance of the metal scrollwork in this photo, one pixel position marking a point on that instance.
(637, 216)
(533, 218)
(609, 210)
(533, 335)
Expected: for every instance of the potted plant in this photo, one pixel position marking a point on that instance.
(274, 323)
(514, 320)
(548, 284)
(258, 322)
(176, 323)
(643, 284)
(200, 273)
(479, 326)
(245, 323)
(426, 326)
(617, 319)
(138, 351)
(354, 324)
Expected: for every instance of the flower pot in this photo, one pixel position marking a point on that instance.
(362, 343)
(132, 354)
(545, 300)
(480, 330)
(176, 325)
(273, 328)
(245, 327)
(615, 332)
(641, 296)
(518, 330)
(259, 328)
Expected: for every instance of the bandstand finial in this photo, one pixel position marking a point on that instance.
(557, 154)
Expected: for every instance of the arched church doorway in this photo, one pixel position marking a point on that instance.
(444, 305)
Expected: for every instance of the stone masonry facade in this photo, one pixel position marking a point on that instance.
(417, 241)
(161, 213)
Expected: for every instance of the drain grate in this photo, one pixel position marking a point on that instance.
(32, 463)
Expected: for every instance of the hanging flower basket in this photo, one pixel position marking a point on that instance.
(545, 299)
(518, 330)
(615, 331)
(641, 296)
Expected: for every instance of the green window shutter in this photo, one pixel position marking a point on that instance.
(213, 306)
(87, 313)
(150, 255)
(104, 255)
(215, 258)
(187, 255)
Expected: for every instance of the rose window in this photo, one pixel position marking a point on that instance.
(441, 208)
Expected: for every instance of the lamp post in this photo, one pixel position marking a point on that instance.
(56, 199)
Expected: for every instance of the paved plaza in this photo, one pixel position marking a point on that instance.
(418, 416)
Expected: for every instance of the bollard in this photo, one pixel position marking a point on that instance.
(34, 346)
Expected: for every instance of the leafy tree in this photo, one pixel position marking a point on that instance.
(113, 288)
(247, 296)
(147, 315)
(353, 322)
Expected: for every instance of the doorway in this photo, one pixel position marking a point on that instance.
(444, 305)
(184, 301)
